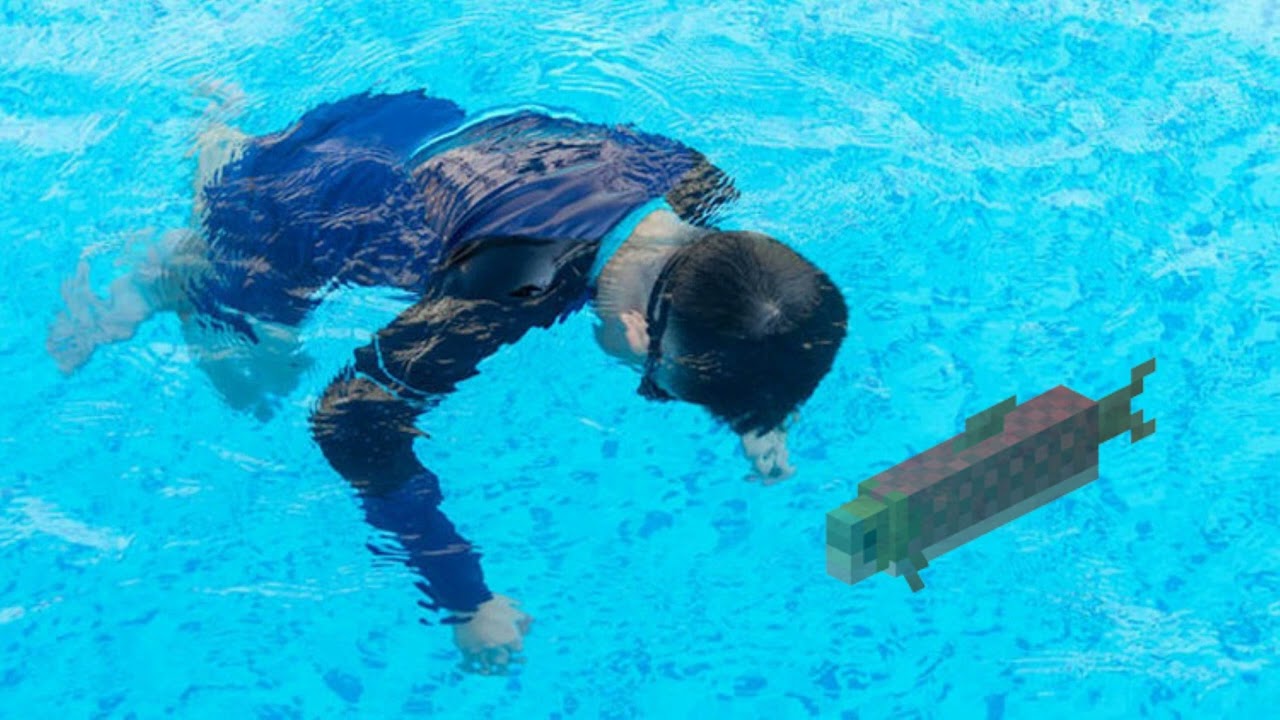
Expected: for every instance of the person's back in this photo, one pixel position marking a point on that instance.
(496, 225)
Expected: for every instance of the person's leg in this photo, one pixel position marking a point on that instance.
(216, 147)
(90, 321)
(250, 376)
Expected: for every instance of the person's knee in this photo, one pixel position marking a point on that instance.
(250, 377)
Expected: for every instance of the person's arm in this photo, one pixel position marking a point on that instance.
(367, 435)
(365, 423)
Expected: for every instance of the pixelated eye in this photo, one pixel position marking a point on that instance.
(869, 540)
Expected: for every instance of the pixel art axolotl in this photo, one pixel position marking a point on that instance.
(1010, 460)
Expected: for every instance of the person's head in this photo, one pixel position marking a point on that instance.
(744, 326)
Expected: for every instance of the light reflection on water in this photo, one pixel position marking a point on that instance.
(1012, 196)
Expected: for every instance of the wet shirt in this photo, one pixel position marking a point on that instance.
(494, 223)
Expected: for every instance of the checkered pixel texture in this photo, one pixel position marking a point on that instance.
(1046, 440)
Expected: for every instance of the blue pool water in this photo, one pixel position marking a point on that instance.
(1012, 196)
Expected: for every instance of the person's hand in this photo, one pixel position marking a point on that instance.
(490, 640)
(767, 452)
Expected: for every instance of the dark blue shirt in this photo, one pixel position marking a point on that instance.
(493, 223)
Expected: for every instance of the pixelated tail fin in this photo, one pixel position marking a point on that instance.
(1115, 414)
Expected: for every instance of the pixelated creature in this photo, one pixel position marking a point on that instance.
(1010, 460)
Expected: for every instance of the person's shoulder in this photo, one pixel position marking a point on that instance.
(396, 123)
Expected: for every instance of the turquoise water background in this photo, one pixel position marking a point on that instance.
(1012, 196)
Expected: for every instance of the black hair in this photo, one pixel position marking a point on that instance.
(753, 325)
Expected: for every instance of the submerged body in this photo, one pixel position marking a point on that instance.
(496, 225)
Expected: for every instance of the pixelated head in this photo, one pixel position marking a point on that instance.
(744, 326)
(858, 541)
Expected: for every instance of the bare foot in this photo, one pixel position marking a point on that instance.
(90, 321)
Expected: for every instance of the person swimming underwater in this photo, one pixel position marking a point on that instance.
(497, 224)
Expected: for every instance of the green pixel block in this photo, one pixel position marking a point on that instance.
(847, 524)
(986, 424)
(899, 514)
(1115, 415)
